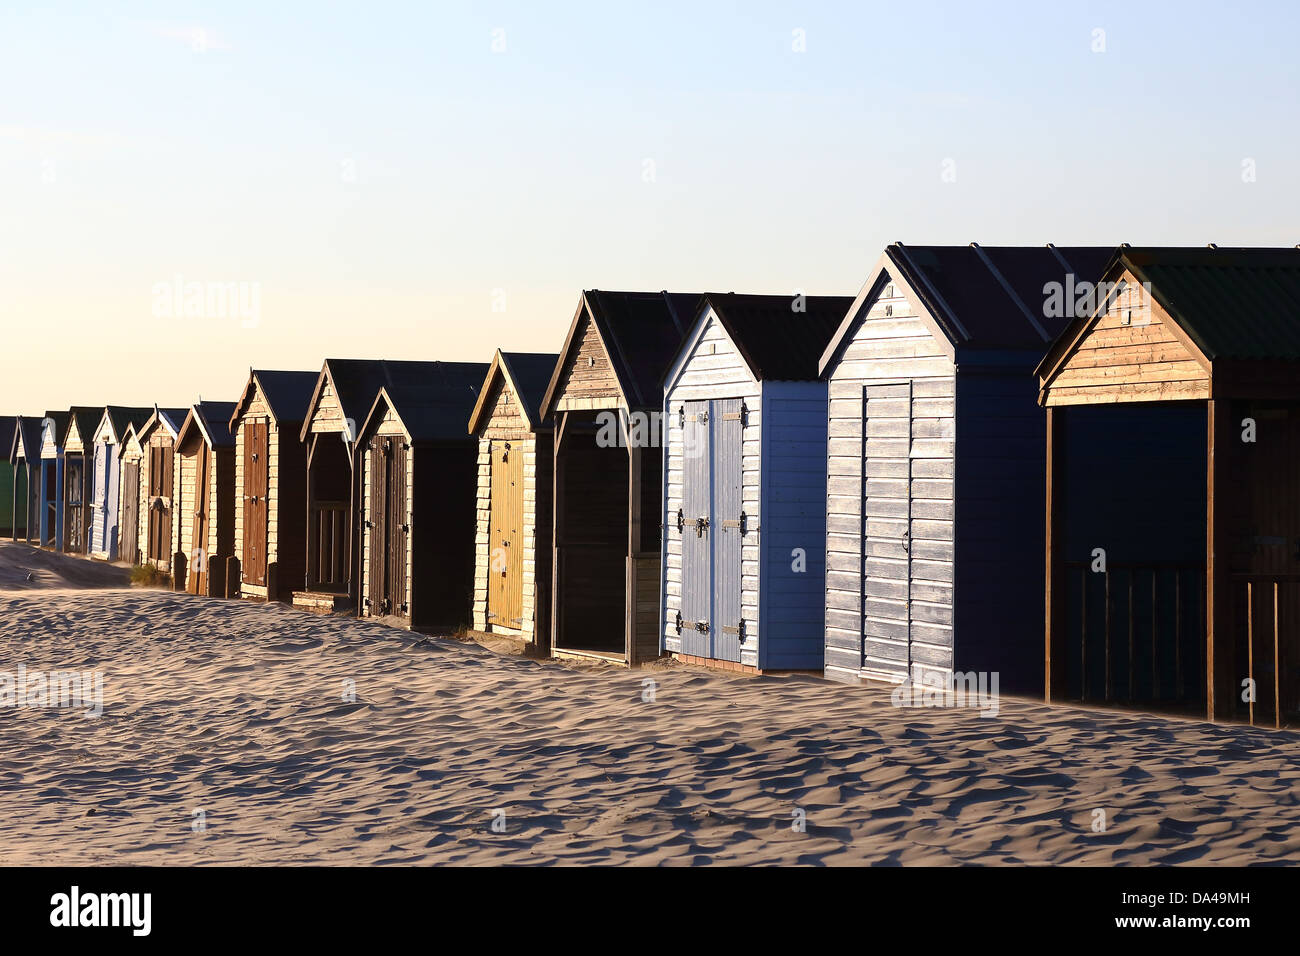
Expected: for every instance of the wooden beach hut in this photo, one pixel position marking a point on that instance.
(418, 471)
(156, 511)
(744, 504)
(935, 463)
(130, 462)
(13, 506)
(205, 496)
(76, 492)
(512, 551)
(54, 427)
(1173, 508)
(104, 473)
(270, 484)
(606, 398)
(25, 454)
(344, 392)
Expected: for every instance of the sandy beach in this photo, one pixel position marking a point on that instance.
(454, 753)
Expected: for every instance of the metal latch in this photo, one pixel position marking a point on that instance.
(741, 416)
(702, 626)
(701, 525)
(738, 630)
(741, 524)
(678, 623)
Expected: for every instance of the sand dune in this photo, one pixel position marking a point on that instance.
(238, 710)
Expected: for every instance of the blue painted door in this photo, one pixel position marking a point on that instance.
(697, 587)
(728, 523)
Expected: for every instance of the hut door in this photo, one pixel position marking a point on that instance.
(160, 503)
(256, 453)
(887, 529)
(729, 528)
(198, 559)
(506, 541)
(129, 525)
(697, 531)
(388, 527)
(99, 509)
(74, 484)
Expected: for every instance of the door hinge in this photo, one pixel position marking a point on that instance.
(741, 416)
(678, 623)
(702, 626)
(681, 521)
(741, 524)
(738, 630)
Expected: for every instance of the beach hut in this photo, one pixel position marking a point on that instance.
(25, 454)
(54, 427)
(75, 491)
(13, 520)
(104, 475)
(512, 550)
(744, 504)
(205, 496)
(418, 471)
(270, 484)
(345, 389)
(1173, 507)
(130, 461)
(935, 463)
(605, 397)
(155, 509)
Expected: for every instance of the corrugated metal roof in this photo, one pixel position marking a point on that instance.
(776, 341)
(1233, 303)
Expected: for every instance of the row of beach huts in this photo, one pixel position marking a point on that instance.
(1078, 468)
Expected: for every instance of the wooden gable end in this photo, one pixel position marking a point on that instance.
(72, 440)
(588, 379)
(327, 415)
(505, 417)
(1132, 352)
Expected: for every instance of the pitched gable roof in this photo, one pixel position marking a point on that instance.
(28, 435)
(86, 418)
(979, 298)
(528, 374)
(776, 341)
(286, 394)
(640, 331)
(209, 421)
(121, 416)
(59, 423)
(169, 418)
(8, 432)
(432, 406)
(356, 382)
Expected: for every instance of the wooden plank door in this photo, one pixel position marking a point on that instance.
(376, 528)
(399, 528)
(728, 523)
(74, 467)
(506, 536)
(256, 452)
(697, 531)
(129, 520)
(197, 582)
(887, 529)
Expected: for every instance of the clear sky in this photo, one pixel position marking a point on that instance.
(435, 180)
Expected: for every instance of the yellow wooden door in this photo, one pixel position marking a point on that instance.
(506, 536)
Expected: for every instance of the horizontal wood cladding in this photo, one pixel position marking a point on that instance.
(505, 417)
(588, 380)
(328, 414)
(1132, 353)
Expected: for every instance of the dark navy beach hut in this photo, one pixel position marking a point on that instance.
(745, 483)
(936, 463)
(25, 453)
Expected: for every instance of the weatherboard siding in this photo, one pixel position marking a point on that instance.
(867, 499)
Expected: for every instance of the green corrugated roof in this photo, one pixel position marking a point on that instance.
(1233, 303)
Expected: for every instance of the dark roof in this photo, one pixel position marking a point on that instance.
(121, 417)
(358, 381)
(984, 298)
(287, 394)
(531, 372)
(212, 419)
(1233, 303)
(777, 342)
(87, 418)
(8, 425)
(641, 331)
(435, 404)
(60, 420)
(30, 429)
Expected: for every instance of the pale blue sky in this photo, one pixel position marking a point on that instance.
(375, 171)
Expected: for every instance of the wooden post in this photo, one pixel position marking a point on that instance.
(1054, 667)
(634, 453)
(557, 527)
(1220, 690)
